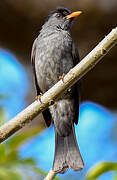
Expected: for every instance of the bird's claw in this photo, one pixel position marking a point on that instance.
(38, 97)
(62, 77)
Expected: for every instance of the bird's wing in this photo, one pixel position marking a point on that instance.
(33, 53)
(76, 95)
(46, 113)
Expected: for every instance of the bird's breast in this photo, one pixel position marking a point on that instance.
(53, 58)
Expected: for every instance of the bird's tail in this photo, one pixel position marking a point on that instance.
(67, 154)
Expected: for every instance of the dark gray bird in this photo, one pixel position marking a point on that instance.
(54, 53)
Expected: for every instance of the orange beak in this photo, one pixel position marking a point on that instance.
(74, 14)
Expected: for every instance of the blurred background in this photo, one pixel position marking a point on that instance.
(20, 23)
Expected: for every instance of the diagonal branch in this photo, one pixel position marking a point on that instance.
(51, 175)
(55, 92)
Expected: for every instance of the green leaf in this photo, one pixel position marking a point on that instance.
(100, 169)
(19, 139)
(28, 161)
(14, 175)
(13, 156)
(12, 166)
(8, 174)
(3, 155)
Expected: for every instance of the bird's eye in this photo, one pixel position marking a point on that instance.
(58, 15)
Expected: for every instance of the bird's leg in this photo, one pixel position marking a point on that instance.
(38, 97)
(62, 77)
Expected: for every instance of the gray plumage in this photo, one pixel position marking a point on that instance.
(53, 54)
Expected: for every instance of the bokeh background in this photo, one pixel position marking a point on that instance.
(20, 23)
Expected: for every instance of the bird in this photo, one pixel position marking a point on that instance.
(54, 53)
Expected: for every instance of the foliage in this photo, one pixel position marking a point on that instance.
(12, 166)
(101, 168)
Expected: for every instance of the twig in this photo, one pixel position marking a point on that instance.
(51, 175)
(55, 92)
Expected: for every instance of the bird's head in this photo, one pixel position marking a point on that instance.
(61, 18)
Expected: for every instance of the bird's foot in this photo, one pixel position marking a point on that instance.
(62, 77)
(38, 97)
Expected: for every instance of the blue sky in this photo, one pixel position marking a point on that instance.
(13, 84)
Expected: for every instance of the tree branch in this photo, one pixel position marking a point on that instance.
(55, 92)
(51, 175)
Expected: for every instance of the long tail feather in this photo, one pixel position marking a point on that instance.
(67, 154)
